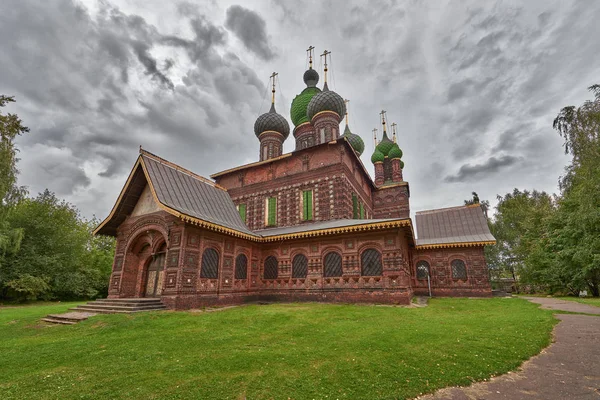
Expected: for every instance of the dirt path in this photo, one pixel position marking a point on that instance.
(568, 369)
(564, 305)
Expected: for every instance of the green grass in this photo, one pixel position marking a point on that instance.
(592, 301)
(297, 351)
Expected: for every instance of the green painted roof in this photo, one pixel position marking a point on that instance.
(355, 141)
(385, 145)
(300, 103)
(377, 156)
(395, 152)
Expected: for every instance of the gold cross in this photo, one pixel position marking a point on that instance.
(273, 75)
(382, 113)
(394, 130)
(325, 53)
(310, 53)
(375, 135)
(346, 101)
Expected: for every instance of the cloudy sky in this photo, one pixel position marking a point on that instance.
(473, 85)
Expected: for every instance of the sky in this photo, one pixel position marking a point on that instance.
(473, 86)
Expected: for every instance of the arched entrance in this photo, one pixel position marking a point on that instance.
(155, 273)
(143, 269)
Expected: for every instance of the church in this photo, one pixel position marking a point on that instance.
(310, 225)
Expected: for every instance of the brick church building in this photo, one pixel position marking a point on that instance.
(310, 225)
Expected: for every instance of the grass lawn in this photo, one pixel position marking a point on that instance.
(297, 351)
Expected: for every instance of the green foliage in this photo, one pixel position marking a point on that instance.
(58, 248)
(519, 223)
(10, 128)
(46, 249)
(555, 243)
(28, 287)
(278, 351)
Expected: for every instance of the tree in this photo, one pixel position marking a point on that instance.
(10, 128)
(59, 250)
(520, 222)
(574, 232)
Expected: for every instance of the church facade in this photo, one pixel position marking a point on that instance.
(310, 225)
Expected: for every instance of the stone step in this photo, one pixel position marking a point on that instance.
(68, 318)
(125, 303)
(108, 311)
(132, 299)
(124, 307)
(58, 321)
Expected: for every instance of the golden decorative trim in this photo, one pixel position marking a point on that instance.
(322, 112)
(302, 124)
(459, 244)
(341, 229)
(217, 228)
(391, 185)
(262, 133)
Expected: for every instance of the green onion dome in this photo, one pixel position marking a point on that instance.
(272, 121)
(401, 164)
(355, 141)
(395, 152)
(327, 100)
(377, 156)
(300, 103)
(385, 145)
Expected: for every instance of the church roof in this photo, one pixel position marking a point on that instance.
(177, 191)
(455, 226)
(191, 194)
(334, 227)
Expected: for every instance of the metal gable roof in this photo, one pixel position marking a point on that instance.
(192, 195)
(463, 224)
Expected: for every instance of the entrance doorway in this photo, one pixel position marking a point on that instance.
(155, 274)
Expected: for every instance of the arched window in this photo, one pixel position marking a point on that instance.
(271, 268)
(459, 269)
(332, 264)
(210, 264)
(299, 266)
(422, 269)
(370, 263)
(241, 267)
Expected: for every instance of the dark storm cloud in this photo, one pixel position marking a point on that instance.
(144, 57)
(465, 81)
(492, 165)
(96, 86)
(250, 28)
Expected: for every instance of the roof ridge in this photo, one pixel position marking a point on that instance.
(180, 169)
(434, 210)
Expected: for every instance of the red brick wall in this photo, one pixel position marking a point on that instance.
(183, 287)
(442, 283)
(391, 202)
(330, 171)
